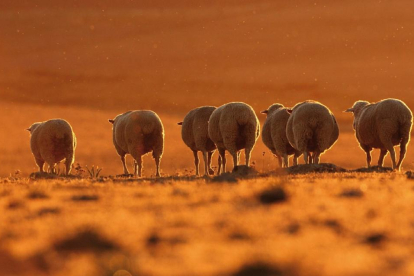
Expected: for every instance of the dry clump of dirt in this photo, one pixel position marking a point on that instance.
(85, 198)
(273, 195)
(85, 241)
(351, 193)
(263, 269)
(372, 169)
(239, 172)
(410, 174)
(315, 168)
(37, 194)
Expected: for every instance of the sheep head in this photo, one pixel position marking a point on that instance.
(272, 108)
(356, 109)
(33, 127)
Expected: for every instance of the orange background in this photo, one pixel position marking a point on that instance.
(87, 61)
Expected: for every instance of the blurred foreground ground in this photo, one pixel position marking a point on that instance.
(87, 61)
(326, 224)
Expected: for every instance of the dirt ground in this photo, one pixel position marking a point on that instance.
(313, 224)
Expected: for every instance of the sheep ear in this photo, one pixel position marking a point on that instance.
(289, 110)
(264, 111)
(28, 129)
(349, 110)
(180, 123)
(111, 121)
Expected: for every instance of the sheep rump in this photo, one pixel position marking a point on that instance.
(312, 129)
(51, 142)
(232, 127)
(138, 133)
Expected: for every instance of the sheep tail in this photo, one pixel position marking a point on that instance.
(302, 134)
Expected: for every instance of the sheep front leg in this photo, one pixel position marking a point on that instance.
(196, 162)
(126, 172)
(381, 157)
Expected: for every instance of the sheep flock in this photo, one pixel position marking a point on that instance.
(309, 128)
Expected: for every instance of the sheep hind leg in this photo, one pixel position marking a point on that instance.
(210, 169)
(285, 161)
(390, 147)
(247, 153)
(40, 163)
(68, 164)
(235, 159)
(196, 162)
(206, 159)
(403, 150)
(295, 158)
(126, 172)
(310, 158)
(280, 161)
(316, 157)
(219, 165)
(135, 167)
(157, 164)
(222, 153)
(381, 157)
(305, 157)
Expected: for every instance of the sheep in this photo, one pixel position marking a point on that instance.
(311, 129)
(194, 133)
(382, 125)
(138, 133)
(51, 142)
(232, 127)
(274, 134)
